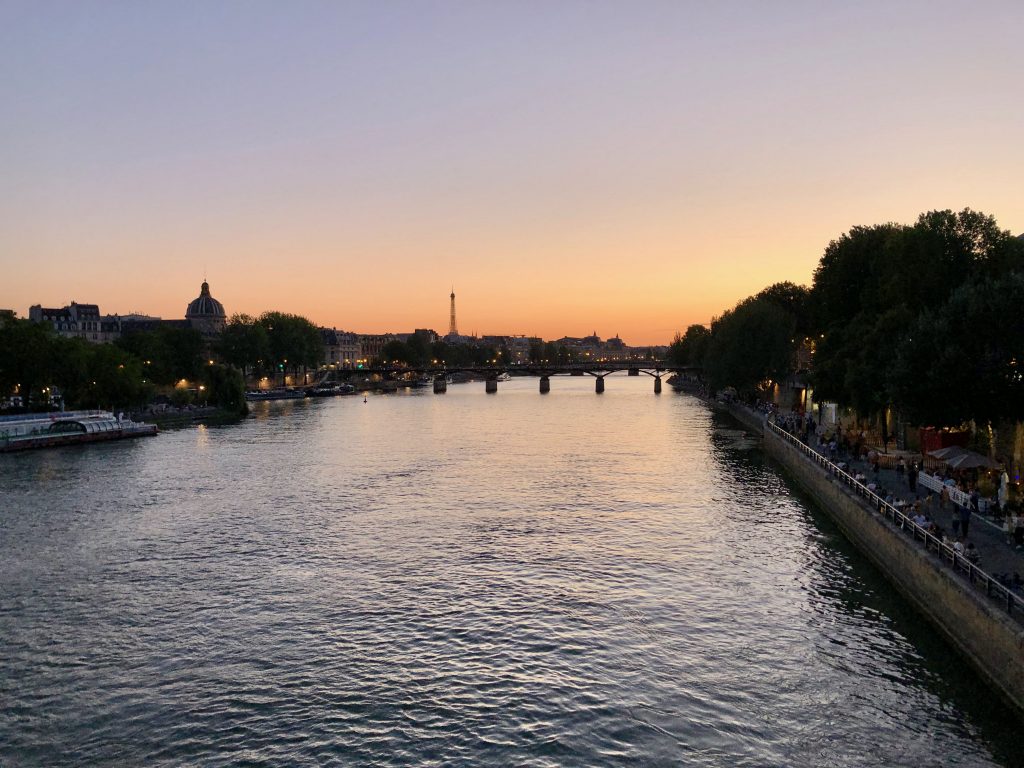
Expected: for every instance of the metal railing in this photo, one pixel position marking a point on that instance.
(51, 416)
(1009, 600)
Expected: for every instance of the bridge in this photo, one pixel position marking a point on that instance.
(492, 373)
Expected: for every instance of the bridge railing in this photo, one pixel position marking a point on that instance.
(661, 366)
(984, 581)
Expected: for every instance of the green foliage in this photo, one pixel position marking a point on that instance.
(794, 299)
(114, 379)
(559, 353)
(292, 340)
(928, 318)
(418, 349)
(169, 354)
(690, 348)
(965, 359)
(27, 360)
(749, 345)
(225, 388)
(181, 397)
(396, 351)
(245, 344)
(874, 283)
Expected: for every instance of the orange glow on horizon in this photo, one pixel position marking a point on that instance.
(571, 169)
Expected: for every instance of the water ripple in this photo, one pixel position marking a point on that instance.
(458, 580)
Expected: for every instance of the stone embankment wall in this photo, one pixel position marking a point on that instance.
(977, 626)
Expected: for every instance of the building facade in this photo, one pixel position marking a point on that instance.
(78, 321)
(371, 344)
(341, 348)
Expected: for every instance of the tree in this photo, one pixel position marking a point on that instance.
(750, 345)
(169, 354)
(244, 344)
(395, 351)
(965, 360)
(225, 388)
(795, 299)
(418, 349)
(690, 348)
(873, 283)
(71, 369)
(115, 379)
(292, 340)
(27, 360)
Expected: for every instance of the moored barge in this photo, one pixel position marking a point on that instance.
(47, 430)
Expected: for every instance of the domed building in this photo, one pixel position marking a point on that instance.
(206, 314)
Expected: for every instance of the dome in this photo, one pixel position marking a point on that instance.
(205, 306)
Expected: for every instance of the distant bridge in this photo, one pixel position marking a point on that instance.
(492, 373)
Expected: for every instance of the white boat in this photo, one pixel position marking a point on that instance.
(46, 430)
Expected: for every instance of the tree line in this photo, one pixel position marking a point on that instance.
(273, 343)
(927, 319)
(44, 368)
(38, 363)
(418, 350)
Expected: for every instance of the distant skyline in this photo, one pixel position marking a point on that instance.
(568, 166)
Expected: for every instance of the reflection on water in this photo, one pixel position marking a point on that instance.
(567, 579)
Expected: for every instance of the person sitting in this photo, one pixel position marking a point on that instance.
(958, 547)
(920, 519)
(971, 553)
(859, 477)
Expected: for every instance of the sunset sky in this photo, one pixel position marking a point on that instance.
(627, 168)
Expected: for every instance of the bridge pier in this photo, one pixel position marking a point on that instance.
(491, 386)
(545, 385)
(599, 384)
(657, 385)
(634, 371)
(440, 385)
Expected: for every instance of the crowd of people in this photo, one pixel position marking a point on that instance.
(935, 512)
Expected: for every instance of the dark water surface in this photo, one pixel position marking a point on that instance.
(463, 579)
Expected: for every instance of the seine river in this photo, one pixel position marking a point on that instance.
(466, 579)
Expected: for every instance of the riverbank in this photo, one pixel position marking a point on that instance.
(955, 596)
(171, 417)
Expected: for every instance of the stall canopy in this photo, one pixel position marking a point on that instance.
(945, 454)
(971, 460)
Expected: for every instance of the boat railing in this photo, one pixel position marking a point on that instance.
(52, 416)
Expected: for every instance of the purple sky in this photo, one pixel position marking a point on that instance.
(621, 167)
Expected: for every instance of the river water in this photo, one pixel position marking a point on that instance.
(466, 579)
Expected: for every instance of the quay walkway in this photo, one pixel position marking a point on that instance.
(977, 608)
(992, 576)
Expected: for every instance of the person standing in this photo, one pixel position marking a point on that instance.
(965, 521)
(912, 477)
(944, 505)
